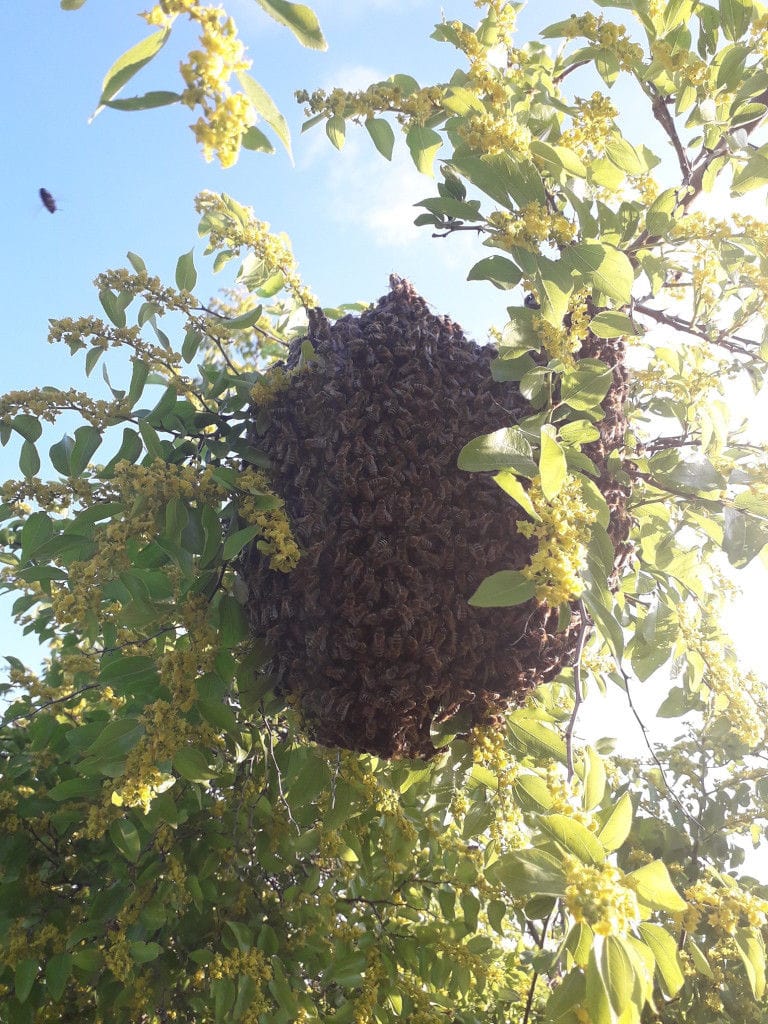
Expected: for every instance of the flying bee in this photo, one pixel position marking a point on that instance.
(47, 200)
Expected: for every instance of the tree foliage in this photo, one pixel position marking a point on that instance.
(172, 846)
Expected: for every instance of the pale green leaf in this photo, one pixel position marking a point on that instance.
(512, 486)
(665, 952)
(607, 269)
(423, 144)
(265, 107)
(502, 590)
(133, 60)
(654, 887)
(380, 131)
(301, 20)
(186, 275)
(613, 324)
(614, 832)
(751, 947)
(507, 448)
(618, 973)
(594, 779)
(574, 837)
(553, 468)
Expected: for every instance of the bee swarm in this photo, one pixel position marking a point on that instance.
(371, 634)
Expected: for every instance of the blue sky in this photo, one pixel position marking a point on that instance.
(127, 181)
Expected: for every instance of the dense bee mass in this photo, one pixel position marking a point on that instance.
(371, 634)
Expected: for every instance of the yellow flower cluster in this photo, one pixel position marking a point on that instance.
(741, 698)
(226, 116)
(367, 1001)
(233, 227)
(727, 908)
(117, 957)
(567, 796)
(48, 403)
(532, 225)
(488, 133)
(488, 76)
(607, 34)
(142, 778)
(591, 126)
(411, 109)
(563, 340)
(757, 41)
(597, 896)
(277, 541)
(563, 534)
(685, 67)
(253, 964)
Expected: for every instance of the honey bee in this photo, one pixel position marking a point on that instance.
(377, 644)
(47, 200)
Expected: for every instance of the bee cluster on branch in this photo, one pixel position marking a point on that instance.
(371, 635)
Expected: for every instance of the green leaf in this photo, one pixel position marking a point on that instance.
(242, 933)
(301, 20)
(144, 952)
(597, 1002)
(255, 140)
(594, 779)
(24, 978)
(129, 451)
(28, 426)
(700, 962)
(617, 826)
(574, 837)
(150, 100)
(552, 465)
(624, 155)
(558, 159)
(336, 130)
(125, 836)
(38, 528)
(234, 545)
(511, 485)
(382, 135)
(528, 873)
(423, 144)
(245, 320)
(192, 764)
(57, 972)
(612, 324)
(618, 972)
(112, 307)
(753, 175)
(265, 107)
(654, 887)
(87, 440)
(132, 61)
(186, 275)
(586, 386)
(499, 270)
(568, 994)
(507, 448)
(665, 953)
(532, 738)
(502, 590)
(751, 947)
(604, 267)
(735, 15)
(29, 460)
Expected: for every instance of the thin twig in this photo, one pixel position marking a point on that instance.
(278, 776)
(578, 698)
(646, 737)
(50, 703)
(723, 339)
